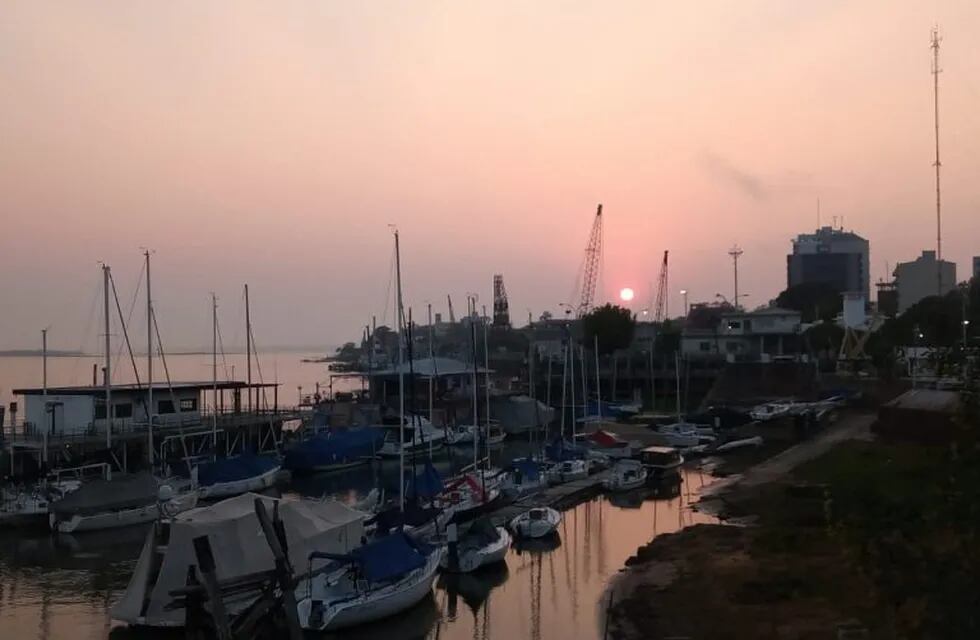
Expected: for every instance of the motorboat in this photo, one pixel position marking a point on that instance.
(239, 550)
(374, 581)
(482, 545)
(334, 450)
(420, 436)
(118, 502)
(626, 475)
(661, 462)
(226, 477)
(536, 523)
(567, 471)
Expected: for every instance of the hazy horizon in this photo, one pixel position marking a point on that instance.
(274, 144)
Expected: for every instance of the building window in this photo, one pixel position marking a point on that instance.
(100, 409)
(734, 324)
(165, 406)
(705, 346)
(123, 410)
(188, 404)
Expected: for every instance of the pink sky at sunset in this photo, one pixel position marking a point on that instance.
(273, 143)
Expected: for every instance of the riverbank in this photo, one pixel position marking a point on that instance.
(847, 537)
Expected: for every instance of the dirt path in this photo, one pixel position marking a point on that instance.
(852, 426)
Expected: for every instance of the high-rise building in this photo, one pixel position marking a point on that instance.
(920, 278)
(831, 256)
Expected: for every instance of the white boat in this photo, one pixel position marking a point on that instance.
(467, 497)
(460, 435)
(567, 471)
(626, 476)
(120, 502)
(378, 580)
(684, 435)
(420, 437)
(738, 444)
(250, 474)
(536, 523)
(22, 507)
(483, 544)
(772, 410)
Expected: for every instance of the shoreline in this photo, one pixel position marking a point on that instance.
(730, 580)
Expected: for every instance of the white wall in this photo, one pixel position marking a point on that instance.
(74, 416)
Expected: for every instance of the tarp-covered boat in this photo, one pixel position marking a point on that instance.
(227, 477)
(334, 449)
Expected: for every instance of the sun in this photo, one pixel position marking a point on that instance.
(625, 294)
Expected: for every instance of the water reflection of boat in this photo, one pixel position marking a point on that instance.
(537, 545)
(66, 551)
(474, 587)
(411, 624)
(628, 499)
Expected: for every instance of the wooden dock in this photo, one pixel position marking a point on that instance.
(561, 497)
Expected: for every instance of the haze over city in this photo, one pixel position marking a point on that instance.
(274, 144)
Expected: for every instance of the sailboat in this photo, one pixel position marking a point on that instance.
(483, 544)
(374, 581)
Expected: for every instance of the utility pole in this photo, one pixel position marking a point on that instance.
(939, 228)
(248, 348)
(149, 364)
(108, 360)
(735, 253)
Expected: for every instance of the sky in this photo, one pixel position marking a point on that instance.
(275, 144)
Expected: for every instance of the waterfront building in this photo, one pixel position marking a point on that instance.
(919, 279)
(830, 256)
(761, 335)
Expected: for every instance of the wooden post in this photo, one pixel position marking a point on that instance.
(284, 572)
(205, 561)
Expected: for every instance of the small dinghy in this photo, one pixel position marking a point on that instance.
(626, 476)
(536, 523)
(377, 580)
(481, 545)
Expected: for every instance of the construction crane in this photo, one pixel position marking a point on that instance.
(501, 309)
(660, 310)
(452, 316)
(590, 270)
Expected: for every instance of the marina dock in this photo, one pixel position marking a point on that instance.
(560, 497)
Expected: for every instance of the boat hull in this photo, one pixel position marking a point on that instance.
(527, 527)
(124, 517)
(472, 559)
(374, 604)
(227, 489)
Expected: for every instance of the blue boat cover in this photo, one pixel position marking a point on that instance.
(428, 483)
(247, 465)
(415, 515)
(388, 557)
(529, 469)
(333, 447)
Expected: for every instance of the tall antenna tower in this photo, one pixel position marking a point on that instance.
(501, 308)
(935, 90)
(736, 253)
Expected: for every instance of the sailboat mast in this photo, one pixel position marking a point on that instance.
(401, 378)
(149, 363)
(677, 374)
(486, 367)
(214, 373)
(564, 377)
(598, 387)
(108, 360)
(571, 383)
(471, 311)
(248, 349)
(432, 364)
(585, 390)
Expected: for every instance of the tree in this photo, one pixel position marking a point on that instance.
(613, 325)
(814, 300)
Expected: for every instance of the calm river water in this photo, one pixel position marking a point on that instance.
(62, 587)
